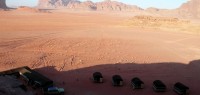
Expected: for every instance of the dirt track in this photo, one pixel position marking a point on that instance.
(68, 47)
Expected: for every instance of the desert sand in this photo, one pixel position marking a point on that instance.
(68, 46)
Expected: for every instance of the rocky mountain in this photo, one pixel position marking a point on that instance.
(3, 4)
(190, 9)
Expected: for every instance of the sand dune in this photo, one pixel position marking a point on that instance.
(32, 10)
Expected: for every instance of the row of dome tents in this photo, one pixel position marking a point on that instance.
(137, 83)
(37, 80)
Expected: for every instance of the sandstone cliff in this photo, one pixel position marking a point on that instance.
(190, 9)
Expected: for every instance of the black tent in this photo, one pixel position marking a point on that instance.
(159, 86)
(117, 80)
(97, 77)
(137, 83)
(181, 88)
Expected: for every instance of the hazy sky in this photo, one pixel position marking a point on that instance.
(169, 4)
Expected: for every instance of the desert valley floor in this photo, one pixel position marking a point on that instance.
(68, 47)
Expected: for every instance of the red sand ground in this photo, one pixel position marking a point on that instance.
(68, 47)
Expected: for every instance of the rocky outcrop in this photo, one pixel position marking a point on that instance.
(154, 21)
(190, 9)
(3, 4)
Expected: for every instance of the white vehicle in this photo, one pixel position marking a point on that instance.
(53, 91)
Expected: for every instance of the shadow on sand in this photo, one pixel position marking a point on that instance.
(77, 81)
(8, 9)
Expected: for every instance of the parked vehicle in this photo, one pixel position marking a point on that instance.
(159, 86)
(35, 79)
(117, 80)
(137, 83)
(181, 89)
(53, 91)
(97, 77)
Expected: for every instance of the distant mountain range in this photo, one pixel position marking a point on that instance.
(191, 9)
(88, 5)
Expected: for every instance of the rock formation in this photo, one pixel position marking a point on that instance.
(190, 9)
(3, 4)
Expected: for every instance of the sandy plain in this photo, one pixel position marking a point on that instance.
(68, 47)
